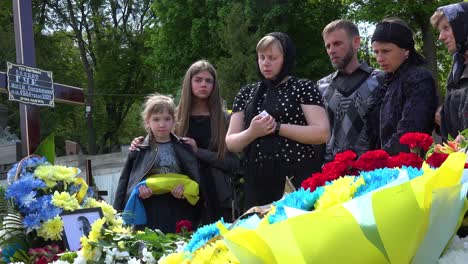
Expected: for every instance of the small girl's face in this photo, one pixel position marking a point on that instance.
(161, 125)
(202, 85)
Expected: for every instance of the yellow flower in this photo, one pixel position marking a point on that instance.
(51, 229)
(65, 200)
(174, 258)
(216, 252)
(121, 245)
(96, 230)
(340, 191)
(50, 174)
(203, 255)
(66, 174)
(86, 248)
(223, 254)
(108, 211)
(122, 230)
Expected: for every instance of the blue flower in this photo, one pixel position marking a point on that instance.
(202, 236)
(413, 172)
(278, 216)
(300, 199)
(41, 209)
(22, 188)
(376, 179)
(32, 221)
(28, 199)
(28, 165)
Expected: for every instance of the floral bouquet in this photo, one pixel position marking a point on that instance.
(116, 243)
(376, 209)
(37, 194)
(439, 153)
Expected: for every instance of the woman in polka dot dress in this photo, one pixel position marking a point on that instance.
(275, 123)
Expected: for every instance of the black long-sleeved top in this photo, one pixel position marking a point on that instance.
(408, 103)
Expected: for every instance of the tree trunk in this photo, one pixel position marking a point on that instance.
(90, 79)
(430, 51)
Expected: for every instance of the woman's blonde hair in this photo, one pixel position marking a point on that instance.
(436, 17)
(215, 106)
(267, 42)
(154, 104)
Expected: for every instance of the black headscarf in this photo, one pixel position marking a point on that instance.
(270, 104)
(457, 16)
(399, 35)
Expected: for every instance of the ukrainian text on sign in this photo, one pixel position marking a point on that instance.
(30, 85)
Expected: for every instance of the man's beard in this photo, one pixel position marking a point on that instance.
(345, 61)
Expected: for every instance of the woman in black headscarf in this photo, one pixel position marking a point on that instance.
(407, 92)
(452, 23)
(275, 122)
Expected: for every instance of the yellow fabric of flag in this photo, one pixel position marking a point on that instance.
(165, 183)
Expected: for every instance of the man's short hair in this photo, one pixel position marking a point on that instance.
(348, 26)
(436, 17)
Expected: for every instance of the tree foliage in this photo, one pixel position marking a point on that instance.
(417, 14)
(121, 50)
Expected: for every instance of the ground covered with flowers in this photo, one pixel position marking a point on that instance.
(32, 229)
(375, 208)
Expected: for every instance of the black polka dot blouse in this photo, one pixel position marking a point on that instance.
(292, 94)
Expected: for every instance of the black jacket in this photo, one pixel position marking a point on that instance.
(140, 162)
(408, 101)
(222, 171)
(455, 109)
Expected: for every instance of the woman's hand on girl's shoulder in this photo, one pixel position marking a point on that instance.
(191, 142)
(136, 142)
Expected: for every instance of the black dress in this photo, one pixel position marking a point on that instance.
(268, 160)
(200, 130)
(163, 211)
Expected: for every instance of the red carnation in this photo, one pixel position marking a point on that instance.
(315, 180)
(346, 156)
(416, 139)
(405, 159)
(436, 159)
(45, 254)
(335, 169)
(184, 225)
(371, 160)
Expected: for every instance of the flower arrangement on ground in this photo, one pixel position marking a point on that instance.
(376, 208)
(37, 193)
(31, 227)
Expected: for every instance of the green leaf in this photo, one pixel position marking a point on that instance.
(47, 148)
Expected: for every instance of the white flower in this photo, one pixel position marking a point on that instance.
(29, 198)
(114, 255)
(97, 253)
(454, 257)
(134, 261)
(457, 251)
(109, 257)
(60, 262)
(180, 246)
(80, 259)
(148, 257)
(16, 262)
(458, 243)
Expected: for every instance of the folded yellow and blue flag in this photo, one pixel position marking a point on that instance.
(134, 212)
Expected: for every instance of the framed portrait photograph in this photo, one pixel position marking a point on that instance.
(77, 224)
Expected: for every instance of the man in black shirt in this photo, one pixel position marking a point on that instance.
(348, 91)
